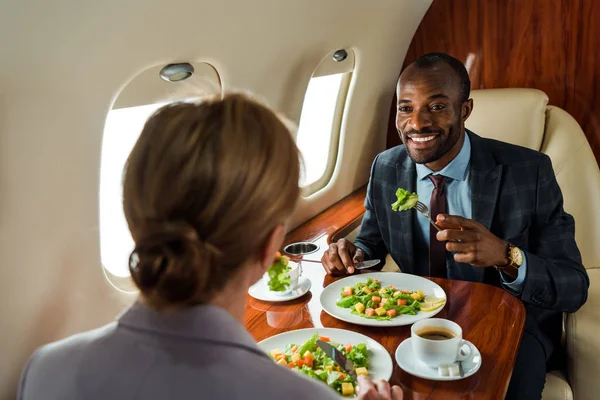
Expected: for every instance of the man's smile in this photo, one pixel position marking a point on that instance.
(422, 141)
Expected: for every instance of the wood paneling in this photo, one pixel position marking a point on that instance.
(491, 318)
(551, 45)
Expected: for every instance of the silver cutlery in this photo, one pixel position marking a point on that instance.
(339, 358)
(366, 264)
(422, 208)
(358, 265)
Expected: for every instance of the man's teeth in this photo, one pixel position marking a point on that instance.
(422, 139)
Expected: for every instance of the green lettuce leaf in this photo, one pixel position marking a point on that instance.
(279, 279)
(405, 200)
(347, 302)
(309, 345)
(376, 317)
(358, 355)
(310, 372)
(332, 377)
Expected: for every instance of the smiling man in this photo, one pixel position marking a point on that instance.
(499, 208)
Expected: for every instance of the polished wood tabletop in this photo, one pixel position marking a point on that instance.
(490, 317)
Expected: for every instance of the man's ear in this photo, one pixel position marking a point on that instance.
(467, 108)
(272, 245)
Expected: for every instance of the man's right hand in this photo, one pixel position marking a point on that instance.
(377, 390)
(341, 257)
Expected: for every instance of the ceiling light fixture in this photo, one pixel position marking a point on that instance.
(176, 72)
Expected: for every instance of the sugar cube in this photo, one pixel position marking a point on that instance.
(453, 369)
(443, 370)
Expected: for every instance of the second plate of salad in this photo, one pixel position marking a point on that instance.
(297, 350)
(383, 299)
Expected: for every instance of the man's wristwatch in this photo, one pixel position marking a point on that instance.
(515, 258)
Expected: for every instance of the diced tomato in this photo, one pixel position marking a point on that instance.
(370, 312)
(392, 287)
(309, 358)
(376, 299)
(406, 291)
(342, 377)
(324, 338)
(391, 312)
(348, 348)
(291, 365)
(295, 348)
(300, 363)
(348, 291)
(277, 255)
(401, 302)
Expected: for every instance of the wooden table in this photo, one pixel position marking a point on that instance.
(490, 317)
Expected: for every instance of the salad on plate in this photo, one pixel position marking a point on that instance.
(307, 358)
(372, 300)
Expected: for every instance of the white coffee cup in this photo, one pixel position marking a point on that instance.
(441, 350)
(295, 272)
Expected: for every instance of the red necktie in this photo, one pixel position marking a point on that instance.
(437, 249)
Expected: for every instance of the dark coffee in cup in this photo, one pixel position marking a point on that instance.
(435, 333)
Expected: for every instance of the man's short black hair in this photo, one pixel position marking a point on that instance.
(433, 59)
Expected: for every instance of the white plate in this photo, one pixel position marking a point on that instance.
(331, 294)
(409, 363)
(260, 291)
(380, 363)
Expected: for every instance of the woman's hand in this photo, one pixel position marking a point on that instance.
(377, 390)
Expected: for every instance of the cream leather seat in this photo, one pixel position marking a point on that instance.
(523, 117)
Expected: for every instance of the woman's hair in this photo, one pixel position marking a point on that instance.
(204, 186)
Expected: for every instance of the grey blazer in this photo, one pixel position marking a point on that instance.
(198, 353)
(515, 195)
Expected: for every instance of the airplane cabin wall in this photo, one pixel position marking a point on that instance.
(551, 45)
(62, 65)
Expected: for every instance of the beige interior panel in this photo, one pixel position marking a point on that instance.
(62, 65)
(525, 127)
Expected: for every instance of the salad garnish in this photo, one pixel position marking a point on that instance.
(279, 278)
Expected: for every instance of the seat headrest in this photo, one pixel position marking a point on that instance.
(510, 115)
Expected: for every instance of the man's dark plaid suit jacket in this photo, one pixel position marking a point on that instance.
(515, 195)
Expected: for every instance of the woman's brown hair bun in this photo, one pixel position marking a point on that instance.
(204, 186)
(160, 263)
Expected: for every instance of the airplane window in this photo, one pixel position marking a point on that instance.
(123, 127)
(318, 130)
(146, 93)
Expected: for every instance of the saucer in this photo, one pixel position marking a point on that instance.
(409, 363)
(260, 291)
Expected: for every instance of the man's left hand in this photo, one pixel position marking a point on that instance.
(471, 241)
